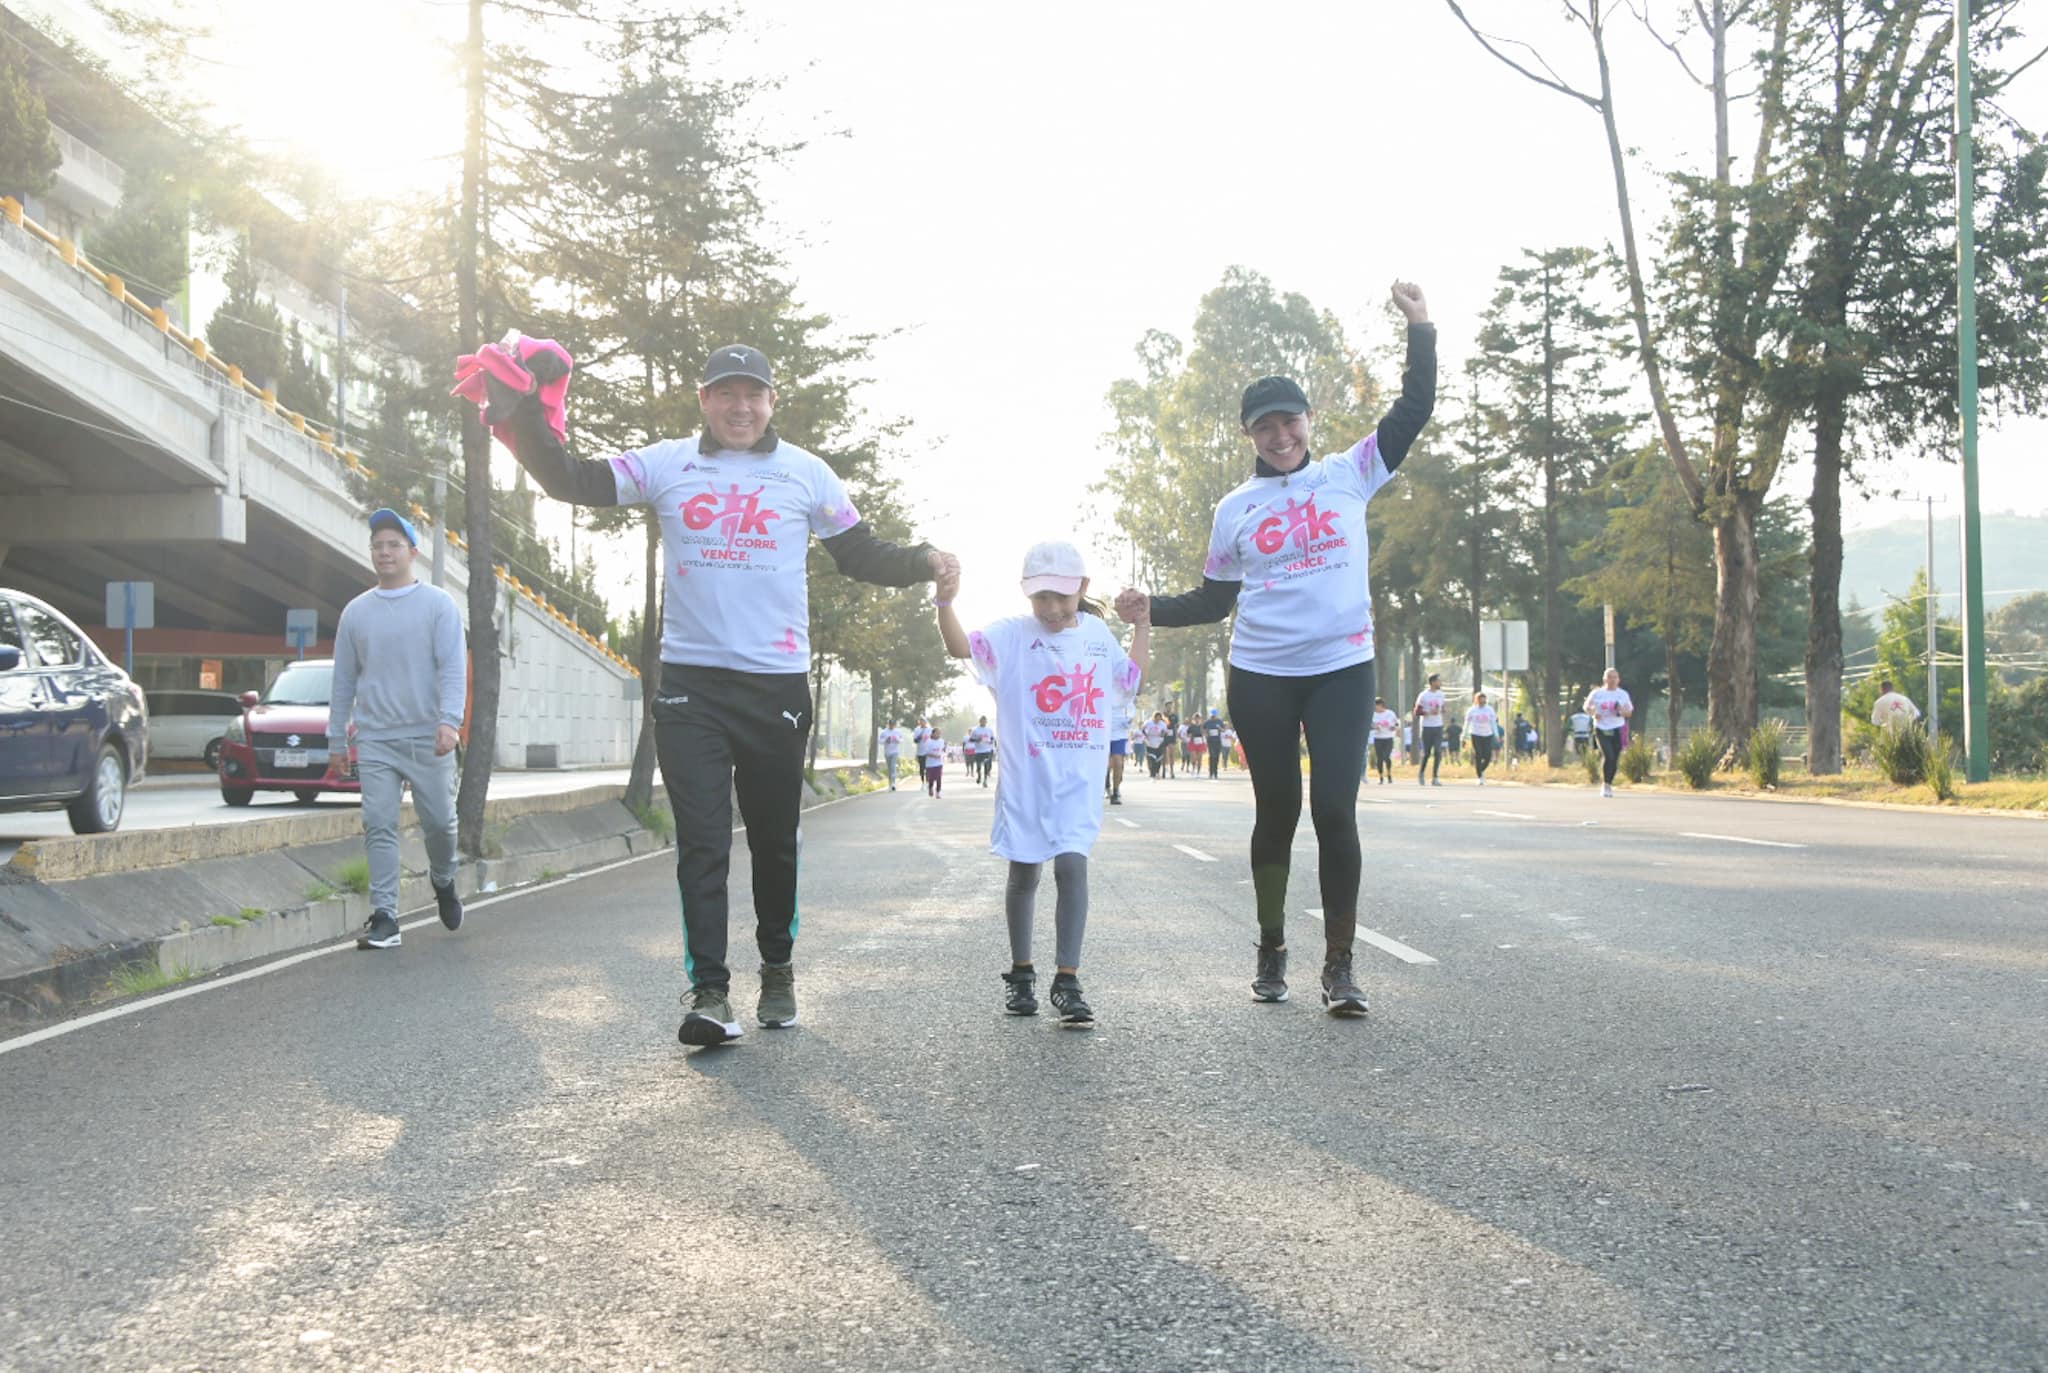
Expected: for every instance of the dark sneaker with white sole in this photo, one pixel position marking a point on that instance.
(709, 1020)
(1022, 998)
(1341, 995)
(1066, 998)
(777, 1006)
(1269, 982)
(450, 905)
(380, 931)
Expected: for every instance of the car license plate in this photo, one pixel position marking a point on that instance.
(291, 758)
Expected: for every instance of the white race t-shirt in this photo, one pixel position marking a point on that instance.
(1607, 706)
(1582, 724)
(1155, 733)
(1229, 739)
(1297, 543)
(735, 531)
(1893, 709)
(1481, 721)
(1430, 705)
(1385, 724)
(1054, 693)
(892, 741)
(932, 748)
(981, 739)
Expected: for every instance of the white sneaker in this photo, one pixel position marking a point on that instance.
(1607, 788)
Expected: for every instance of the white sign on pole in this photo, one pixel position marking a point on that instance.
(1504, 645)
(131, 605)
(301, 629)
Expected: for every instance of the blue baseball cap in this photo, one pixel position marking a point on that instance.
(387, 518)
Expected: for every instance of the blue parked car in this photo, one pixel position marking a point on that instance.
(74, 730)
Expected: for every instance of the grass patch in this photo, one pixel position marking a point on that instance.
(319, 892)
(1765, 753)
(549, 875)
(229, 922)
(1941, 771)
(656, 821)
(494, 838)
(139, 979)
(253, 913)
(353, 876)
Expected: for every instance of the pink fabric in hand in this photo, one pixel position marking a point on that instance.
(549, 363)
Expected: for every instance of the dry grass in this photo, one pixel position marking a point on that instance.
(1861, 784)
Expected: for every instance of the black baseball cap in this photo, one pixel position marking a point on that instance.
(1269, 394)
(738, 360)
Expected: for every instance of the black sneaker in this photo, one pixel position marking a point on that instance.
(710, 1019)
(380, 931)
(1067, 1000)
(1341, 995)
(450, 904)
(1270, 982)
(1116, 798)
(1022, 998)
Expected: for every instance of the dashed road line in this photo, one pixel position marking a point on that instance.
(1385, 943)
(1738, 839)
(1127, 824)
(1195, 853)
(1505, 814)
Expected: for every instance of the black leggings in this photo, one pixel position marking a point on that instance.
(1482, 752)
(1270, 714)
(1610, 754)
(1432, 750)
(1383, 758)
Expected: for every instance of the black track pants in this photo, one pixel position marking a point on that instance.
(1270, 715)
(1610, 754)
(717, 731)
(1482, 752)
(1432, 751)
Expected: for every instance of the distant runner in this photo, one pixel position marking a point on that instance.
(1482, 727)
(1429, 721)
(1610, 708)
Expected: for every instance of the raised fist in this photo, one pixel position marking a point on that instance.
(1409, 301)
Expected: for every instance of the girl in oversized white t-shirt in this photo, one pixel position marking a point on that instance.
(1056, 675)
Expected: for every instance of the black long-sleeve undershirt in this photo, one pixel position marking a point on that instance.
(856, 552)
(1399, 428)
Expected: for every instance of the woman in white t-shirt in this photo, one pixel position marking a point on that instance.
(1610, 708)
(1482, 727)
(1386, 726)
(932, 749)
(1055, 673)
(1288, 554)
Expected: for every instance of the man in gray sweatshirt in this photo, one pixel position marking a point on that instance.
(400, 676)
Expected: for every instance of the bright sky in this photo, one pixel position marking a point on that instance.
(1022, 193)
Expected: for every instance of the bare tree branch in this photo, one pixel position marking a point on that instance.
(1551, 82)
(1668, 44)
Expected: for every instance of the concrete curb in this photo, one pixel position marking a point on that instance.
(67, 938)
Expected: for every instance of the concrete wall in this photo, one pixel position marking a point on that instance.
(556, 691)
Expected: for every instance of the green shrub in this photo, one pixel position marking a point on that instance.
(1941, 771)
(1589, 759)
(2019, 728)
(1637, 761)
(354, 875)
(1901, 753)
(319, 892)
(1699, 756)
(1765, 753)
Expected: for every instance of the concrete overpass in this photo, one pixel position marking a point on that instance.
(129, 453)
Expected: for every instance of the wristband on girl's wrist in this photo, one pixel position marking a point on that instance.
(941, 604)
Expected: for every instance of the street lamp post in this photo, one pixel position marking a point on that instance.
(1976, 724)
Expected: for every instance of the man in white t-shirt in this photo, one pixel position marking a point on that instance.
(893, 740)
(1582, 731)
(1429, 721)
(1893, 710)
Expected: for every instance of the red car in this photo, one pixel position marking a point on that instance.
(280, 741)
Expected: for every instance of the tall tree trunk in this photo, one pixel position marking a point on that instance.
(1677, 692)
(1731, 661)
(1550, 717)
(476, 473)
(1824, 591)
(640, 783)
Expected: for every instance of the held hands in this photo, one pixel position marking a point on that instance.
(1408, 299)
(945, 575)
(445, 740)
(1134, 607)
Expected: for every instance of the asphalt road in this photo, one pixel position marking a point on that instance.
(1664, 1099)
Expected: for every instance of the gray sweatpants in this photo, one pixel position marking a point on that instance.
(1070, 914)
(385, 766)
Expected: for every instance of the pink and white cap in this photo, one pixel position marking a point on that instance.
(1054, 565)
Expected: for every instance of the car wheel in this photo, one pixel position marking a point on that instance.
(213, 756)
(98, 810)
(307, 795)
(237, 796)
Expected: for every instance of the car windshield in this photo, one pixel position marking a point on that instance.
(301, 686)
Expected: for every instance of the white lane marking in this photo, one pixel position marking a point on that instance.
(1505, 814)
(1127, 824)
(1374, 801)
(1384, 943)
(1738, 839)
(347, 944)
(1194, 853)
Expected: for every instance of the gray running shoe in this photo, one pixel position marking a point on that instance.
(710, 1020)
(380, 931)
(1270, 982)
(1340, 992)
(777, 1007)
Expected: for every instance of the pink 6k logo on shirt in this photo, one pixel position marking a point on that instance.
(1077, 692)
(1298, 524)
(735, 512)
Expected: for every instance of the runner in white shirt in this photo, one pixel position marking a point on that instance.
(1610, 708)
(738, 508)
(1892, 710)
(1229, 746)
(1482, 727)
(981, 744)
(1582, 731)
(1429, 721)
(1288, 552)
(1385, 727)
(893, 740)
(1056, 674)
(931, 751)
(1155, 741)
